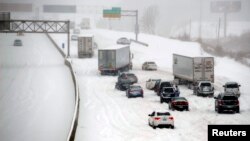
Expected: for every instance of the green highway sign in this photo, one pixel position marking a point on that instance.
(115, 12)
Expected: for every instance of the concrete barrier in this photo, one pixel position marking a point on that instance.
(68, 62)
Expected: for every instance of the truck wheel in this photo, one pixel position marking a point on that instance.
(172, 126)
(219, 110)
(198, 94)
(161, 101)
(238, 110)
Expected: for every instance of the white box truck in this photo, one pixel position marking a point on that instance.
(114, 59)
(85, 46)
(196, 72)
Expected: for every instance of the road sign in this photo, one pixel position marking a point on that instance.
(225, 6)
(115, 12)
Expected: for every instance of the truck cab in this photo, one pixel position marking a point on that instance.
(204, 88)
(233, 87)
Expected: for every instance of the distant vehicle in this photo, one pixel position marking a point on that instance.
(134, 91)
(162, 84)
(18, 42)
(123, 41)
(166, 94)
(179, 103)
(227, 102)
(85, 23)
(152, 83)
(204, 88)
(114, 59)
(74, 37)
(161, 119)
(127, 77)
(149, 66)
(233, 87)
(189, 70)
(123, 86)
(95, 45)
(85, 46)
(76, 31)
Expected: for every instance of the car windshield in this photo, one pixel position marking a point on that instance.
(229, 98)
(232, 86)
(151, 63)
(135, 87)
(130, 74)
(179, 99)
(205, 84)
(166, 84)
(163, 114)
(168, 90)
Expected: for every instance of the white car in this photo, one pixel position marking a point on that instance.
(74, 37)
(149, 66)
(76, 31)
(123, 41)
(161, 119)
(151, 83)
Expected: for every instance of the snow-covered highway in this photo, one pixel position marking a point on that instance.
(107, 115)
(36, 90)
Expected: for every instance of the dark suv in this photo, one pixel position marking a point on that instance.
(159, 86)
(227, 102)
(166, 94)
(123, 86)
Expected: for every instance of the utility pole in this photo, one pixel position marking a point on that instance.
(136, 26)
(218, 34)
(200, 28)
(225, 24)
(68, 31)
(190, 27)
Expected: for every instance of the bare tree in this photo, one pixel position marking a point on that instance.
(149, 19)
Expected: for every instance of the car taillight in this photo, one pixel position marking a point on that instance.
(237, 102)
(220, 102)
(157, 118)
(171, 118)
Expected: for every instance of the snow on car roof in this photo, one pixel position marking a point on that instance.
(162, 111)
(227, 83)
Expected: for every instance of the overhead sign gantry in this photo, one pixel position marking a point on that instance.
(35, 26)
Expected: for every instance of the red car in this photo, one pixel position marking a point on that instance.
(179, 103)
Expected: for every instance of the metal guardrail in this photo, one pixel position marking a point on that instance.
(74, 123)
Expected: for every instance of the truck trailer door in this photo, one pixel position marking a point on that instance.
(208, 66)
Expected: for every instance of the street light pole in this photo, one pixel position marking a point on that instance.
(200, 20)
(137, 26)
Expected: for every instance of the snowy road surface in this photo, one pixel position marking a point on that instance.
(107, 115)
(36, 90)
